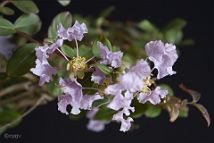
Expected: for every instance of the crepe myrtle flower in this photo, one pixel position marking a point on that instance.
(76, 32)
(122, 104)
(93, 124)
(163, 56)
(73, 95)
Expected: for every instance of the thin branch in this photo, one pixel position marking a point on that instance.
(28, 37)
(77, 46)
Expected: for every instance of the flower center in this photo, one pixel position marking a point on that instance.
(148, 82)
(77, 64)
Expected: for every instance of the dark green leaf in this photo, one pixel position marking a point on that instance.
(152, 111)
(26, 6)
(139, 109)
(173, 36)
(6, 27)
(22, 60)
(28, 23)
(105, 114)
(95, 49)
(104, 68)
(6, 10)
(108, 44)
(204, 112)
(68, 51)
(63, 18)
(85, 52)
(53, 89)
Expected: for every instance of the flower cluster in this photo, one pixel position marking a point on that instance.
(132, 82)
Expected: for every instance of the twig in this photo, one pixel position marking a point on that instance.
(28, 37)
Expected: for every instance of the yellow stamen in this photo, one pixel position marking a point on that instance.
(77, 64)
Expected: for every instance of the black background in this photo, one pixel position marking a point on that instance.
(194, 68)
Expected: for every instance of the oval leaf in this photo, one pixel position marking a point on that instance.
(26, 6)
(6, 27)
(22, 60)
(64, 18)
(104, 68)
(68, 51)
(28, 23)
(6, 10)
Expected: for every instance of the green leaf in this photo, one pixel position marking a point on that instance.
(53, 89)
(204, 112)
(85, 52)
(6, 11)
(104, 68)
(139, 109)
(28, 23)
(108, 44)
(147, 26)
(64, 18)
(64, 2)
(152, 111)
(168, 88)
(68, 51)
(100, 102)
(95, 49)
(183, 113)
(6, 27)
(104, 114)
(26, 6)
(22, 60)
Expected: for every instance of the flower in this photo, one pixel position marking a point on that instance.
(154, 97)
(73, 89)
(163, 56)
(6, 48)
(95, 125)
(41, 53)
(122, 102)
(108, 57)
(76, 32)
(73, 96)
(131, 80)
(44, 70)
(97, 76)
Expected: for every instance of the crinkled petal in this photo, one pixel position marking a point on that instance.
(97, 76)
(74, 89)
(63, 102)
(54, 46)
(96, 125)
(154, 97)
(87, 101)
(77, 31)
(41, 53)
(44, 70)
(126, 124)
(163, 57)
(62, 32)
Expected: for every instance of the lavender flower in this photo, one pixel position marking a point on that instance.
(6, 48)
(73, 89)
(132, 80)
(163, 56)
(108, 57)
(154, 97)
(95, 125)
(97, 76)
(122, 102)
(76, 32)
(44, 70)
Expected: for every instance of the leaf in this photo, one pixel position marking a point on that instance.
(53, 89)
(104, 68)
(168, 88)
(64, 18)
(68, 51)
(152, 111)
(6, 27)
(6, 10)
(28, 23)
(85, 52)
(147, 26)
(105, 114)
(26, 6)
(108, 44)
(204, 112)
(64, 2)
(139, 109)
(195, 95)
(184, 112)
(100, 102)
(22, 60)
(95, 49)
